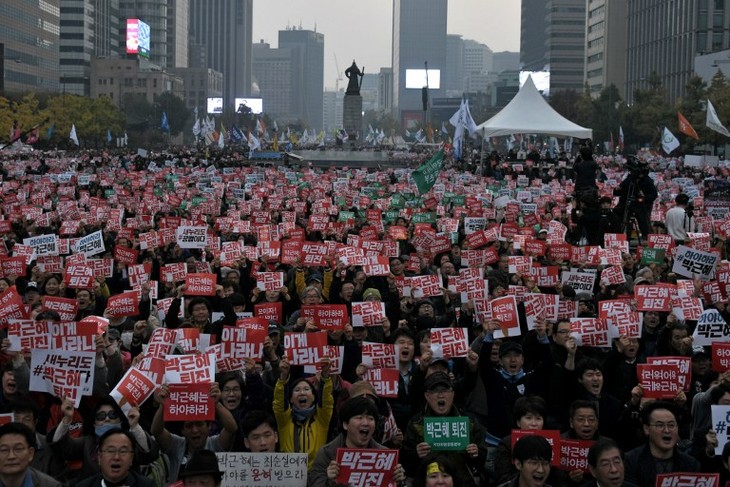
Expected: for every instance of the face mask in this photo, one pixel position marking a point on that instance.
(100, 430)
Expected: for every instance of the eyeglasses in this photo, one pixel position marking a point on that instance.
(664, 426)
(232, 390)
(112, 452)
(102, 415)
(17, 450)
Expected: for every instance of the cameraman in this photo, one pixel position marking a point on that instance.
(679, 220)
(636, 193)
(585, 170)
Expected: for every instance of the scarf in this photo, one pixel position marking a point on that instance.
(301, 415)
(512, 379)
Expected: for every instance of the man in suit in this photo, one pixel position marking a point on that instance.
(606, 464)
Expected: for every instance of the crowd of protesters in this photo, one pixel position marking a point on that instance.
(539, 379)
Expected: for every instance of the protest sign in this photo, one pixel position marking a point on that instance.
(62, 373)
(384, 381)
(446, 433)
(196, 368)
(655, 297)
(189, 402)
(504, 310)
(711, 327)
(243, 343)
(161, 343)
(200, 284)
(366, 467)
(11, 306)
(334, 353)
(693, 263)
(191, 237)
(65, 307)
(28, 335)
(133, 389)
(574, 454)
(682, 364)
(73, 336)
(269, 281)
(90, 245)
(305, 348)
(263, 469)
(720, 356)
(380, 355)
(582, 282)
(658, 380)
(269, 311)
(687, 479)
(43, 244)
(627, 324)
(368, 313)
(687, 308)
(124, 304)
(425, 286)
(79, 276)
(326, 316)
(590, 332)
(449, 343)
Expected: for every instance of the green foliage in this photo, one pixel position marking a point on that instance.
(178, 114)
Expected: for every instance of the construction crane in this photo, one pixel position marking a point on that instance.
(339, 74)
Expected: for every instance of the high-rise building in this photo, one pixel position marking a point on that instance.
(275, 74)
(178, 22)
(154, 14)
(225, 28)
(505, 61)
(453, 77)
(29, 57)
(606, 45)
(477, 57)
(565, 27)
(664, 36)
(88, 29)
(385, 90)
(419, 36)
(532, 35)
(333, 102)
(309, 47)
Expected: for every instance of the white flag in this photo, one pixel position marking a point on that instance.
(196, 128)
(469, 122)
(669, 141)
(73, 135)
(713, 122)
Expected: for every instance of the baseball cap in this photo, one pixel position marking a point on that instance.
(509, 346)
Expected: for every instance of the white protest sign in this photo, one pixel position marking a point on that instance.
(263, 469)
(695, 263)
(90, 245)
(43, 244)
(710, 328)
(580, 281)
(720, 423)
(62, 373)
(192, 237)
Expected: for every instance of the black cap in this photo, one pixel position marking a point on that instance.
(437, 379)
(509, 346)
(203, 462)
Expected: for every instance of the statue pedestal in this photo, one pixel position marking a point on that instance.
(352, 117)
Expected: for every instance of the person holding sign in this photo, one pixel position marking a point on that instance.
(468, 456)
(303, 427)
(358, 416)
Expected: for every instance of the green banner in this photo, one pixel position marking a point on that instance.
(652, 256)
(397, 202)
(424, 218)
(343, 216)
(446, 432)
(427, 174)
(390, 215)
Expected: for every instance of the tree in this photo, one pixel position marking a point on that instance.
(692, 106)
(565, 102)
(649, 113)
(176, 110)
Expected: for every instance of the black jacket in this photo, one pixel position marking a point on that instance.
(641, 466)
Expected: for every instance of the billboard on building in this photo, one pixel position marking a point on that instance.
(416, 79)
(540, 78)
(255, 104)
(138, 38)
(215, 105)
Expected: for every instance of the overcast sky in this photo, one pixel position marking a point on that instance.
(362, 29)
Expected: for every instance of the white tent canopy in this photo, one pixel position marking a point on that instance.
(529, 113)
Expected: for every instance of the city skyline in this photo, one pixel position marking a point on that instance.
(373, 48)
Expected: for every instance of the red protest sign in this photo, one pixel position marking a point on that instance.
(291, 251)
(682, 364)
(368, 313)
(590, 332)
(574, 454)
(720, 356)
(560, 252)
(687, 479)
(174, 272)
(13, 266)
(126, 255)
(384, 381)
(269, 281)
(314, 254)
(269, 311)
(134, 388)
(327, 316)
(241, 343)
(28, 335)
(200, 284)
(449, 342)
(11, 306)
(79, 276)
(504, 310)
(65, 307)
(189, 402)
(305, 348)
(658, 380)
(366, 467)
(124, 304)
(425, 286)
(194, 368)
(552, 437)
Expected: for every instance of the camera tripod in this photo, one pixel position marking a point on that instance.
(629, 222)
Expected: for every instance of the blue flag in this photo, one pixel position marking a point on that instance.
(108, 136)
(165, 125)
(51, 129)
(236, 135)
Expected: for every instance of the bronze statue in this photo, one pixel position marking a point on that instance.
(352, 73)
